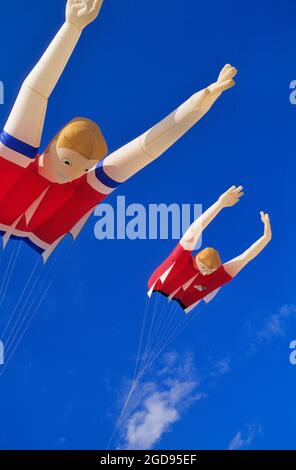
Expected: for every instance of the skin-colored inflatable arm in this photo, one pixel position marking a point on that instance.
(228, 199)
(134, 156)
(234, 266)
(26, 119)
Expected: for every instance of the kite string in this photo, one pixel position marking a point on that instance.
(160, 322)
(171, 312)
(36, 308)
(7, 268)
(153, 333)
(9, 271)
(144, 366)
(151, 327)
(132, 389)
(171, 339)
(13, 335)
(176, 317)
(28, 299)
(144, 321)
(168, 312)
(137, 370)
(178, 327)
(169, 320)
(175, 333)
(161, 317)
(17, 304)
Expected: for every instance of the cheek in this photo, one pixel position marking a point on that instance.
(78, 172)
(54, 161)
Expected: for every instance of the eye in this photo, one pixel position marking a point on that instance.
(66, 161)
(86, 170)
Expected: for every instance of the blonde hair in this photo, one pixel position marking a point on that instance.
(84, 137)
(210, 258)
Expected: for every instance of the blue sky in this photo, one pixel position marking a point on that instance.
(137, 63)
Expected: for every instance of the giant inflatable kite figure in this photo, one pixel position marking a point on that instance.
(44, 197)
(188, 278)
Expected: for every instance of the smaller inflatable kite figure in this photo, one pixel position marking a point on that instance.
(188, 278)
(45, 197)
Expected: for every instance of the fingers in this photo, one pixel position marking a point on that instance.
(233, 195)
(228, 72)
(265, 217)
(262, 214)
(225, 68)
(235, 189)
(219, 87)
(239, 189)
(237, 196)
(225, 80)
(75, 4)
(82, 12)
(240, 194)
(96, 6)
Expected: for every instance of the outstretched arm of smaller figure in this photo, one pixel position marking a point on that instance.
(228, 199)
(234, 266)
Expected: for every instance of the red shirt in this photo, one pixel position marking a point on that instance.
(37, 210)
(179, 279)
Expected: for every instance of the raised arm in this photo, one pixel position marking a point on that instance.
(23, 130)
(128, 160)
(234, 266)
(227, 199)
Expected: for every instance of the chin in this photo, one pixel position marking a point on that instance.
(61, 179)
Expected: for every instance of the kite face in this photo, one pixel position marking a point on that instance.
(74, 151)
(203, 268)
(178, 278)
(208, 261)
(61, 165)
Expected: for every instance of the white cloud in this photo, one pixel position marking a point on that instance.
(243, 439)
(160, 403)
(146, 426)
(237, 442)
(275, 326)
(220, 367)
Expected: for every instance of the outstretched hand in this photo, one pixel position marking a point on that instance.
(231, 197)
(82, 12)
(267, 227)
(225, 80)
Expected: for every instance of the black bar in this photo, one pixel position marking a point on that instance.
(135, 459)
